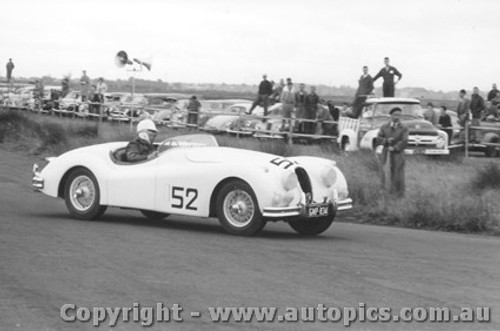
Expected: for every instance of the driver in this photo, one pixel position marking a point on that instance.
(141, 148)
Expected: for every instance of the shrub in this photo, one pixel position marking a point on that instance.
(487, 177)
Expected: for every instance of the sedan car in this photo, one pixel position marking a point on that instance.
(191, 175)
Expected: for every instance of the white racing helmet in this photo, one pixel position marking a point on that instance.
(146, 124)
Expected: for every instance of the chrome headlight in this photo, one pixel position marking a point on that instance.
(289, 181)
(328, 176)
(440, 142)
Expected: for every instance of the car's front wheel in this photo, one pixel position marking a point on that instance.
(312, 226)
(154, 215)
(81, 194)
(238, 210)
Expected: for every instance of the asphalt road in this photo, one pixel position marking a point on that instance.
(48, 259)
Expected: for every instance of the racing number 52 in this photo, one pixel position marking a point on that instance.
(178, 195)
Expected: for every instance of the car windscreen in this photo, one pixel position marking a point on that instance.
(383, 109)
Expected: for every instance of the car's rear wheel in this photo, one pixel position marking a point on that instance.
(82, 195)
(154, 215)
(238, 210)
(312, 226)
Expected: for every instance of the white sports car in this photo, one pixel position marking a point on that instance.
(191, 175)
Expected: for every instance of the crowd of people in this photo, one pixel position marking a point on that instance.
(307, 103)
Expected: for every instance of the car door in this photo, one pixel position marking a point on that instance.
(133, 185)
(182, 187)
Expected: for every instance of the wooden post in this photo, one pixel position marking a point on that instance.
(466, 138)
(387, 171)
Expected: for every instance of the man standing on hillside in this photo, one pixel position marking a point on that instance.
(387, 73)
(393, 138)
(265, 91)
(463, 108)
(85, 83)
(10, 67)
(288, 102)
(365, 88)
(312, 101)
(493, 93)
(477, 106)
(300, 107)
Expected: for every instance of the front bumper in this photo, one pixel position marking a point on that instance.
(427, 151)
(300, 210)
(37, 181)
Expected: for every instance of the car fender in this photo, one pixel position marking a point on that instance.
(351, 135)
(57, 170)
(491, 137)
(368, 138)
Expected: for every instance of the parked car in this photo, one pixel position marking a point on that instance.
(129, 107)
(424, 137)
(212, 108)
(191, 175)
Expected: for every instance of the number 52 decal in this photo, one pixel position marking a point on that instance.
(181, 195)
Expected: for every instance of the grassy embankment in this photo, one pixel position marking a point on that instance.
(457, 194)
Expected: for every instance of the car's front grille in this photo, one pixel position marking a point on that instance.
(304, 181)
(422, 140)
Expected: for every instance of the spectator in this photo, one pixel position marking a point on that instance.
(312, 101)
(300, 107)
(387, 73)
(38, 94)
(85, 83)
(265, 91)
(278, 90)
(94, 100)
(64, 87)
(323, 115)
(335, 114)
(288, 103)
(193, 108)
(365, 88)
(477, 107)
(444, 123)
(493, 93)
(491, 113)
(393, 138)
(463, 108)
(430, 114)
(101, 88)
(10, 67)
(141, 148)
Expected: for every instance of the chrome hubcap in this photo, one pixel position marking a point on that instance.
(239, 208)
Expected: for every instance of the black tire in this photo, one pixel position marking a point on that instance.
(86, 207)
(345, 144)
(154, 215)
(312, 227)
(243, 198)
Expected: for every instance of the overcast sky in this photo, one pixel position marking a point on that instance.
(440, 45)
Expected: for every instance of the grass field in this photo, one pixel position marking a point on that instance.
(454, 194)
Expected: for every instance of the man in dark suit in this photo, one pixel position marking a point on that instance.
(393, 138)
(387, 73)
(265, 91)
(365, 88)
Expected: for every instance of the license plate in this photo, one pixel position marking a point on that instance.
(317, 210)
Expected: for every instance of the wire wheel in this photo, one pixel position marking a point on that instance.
(239, 208)
(82, 193)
